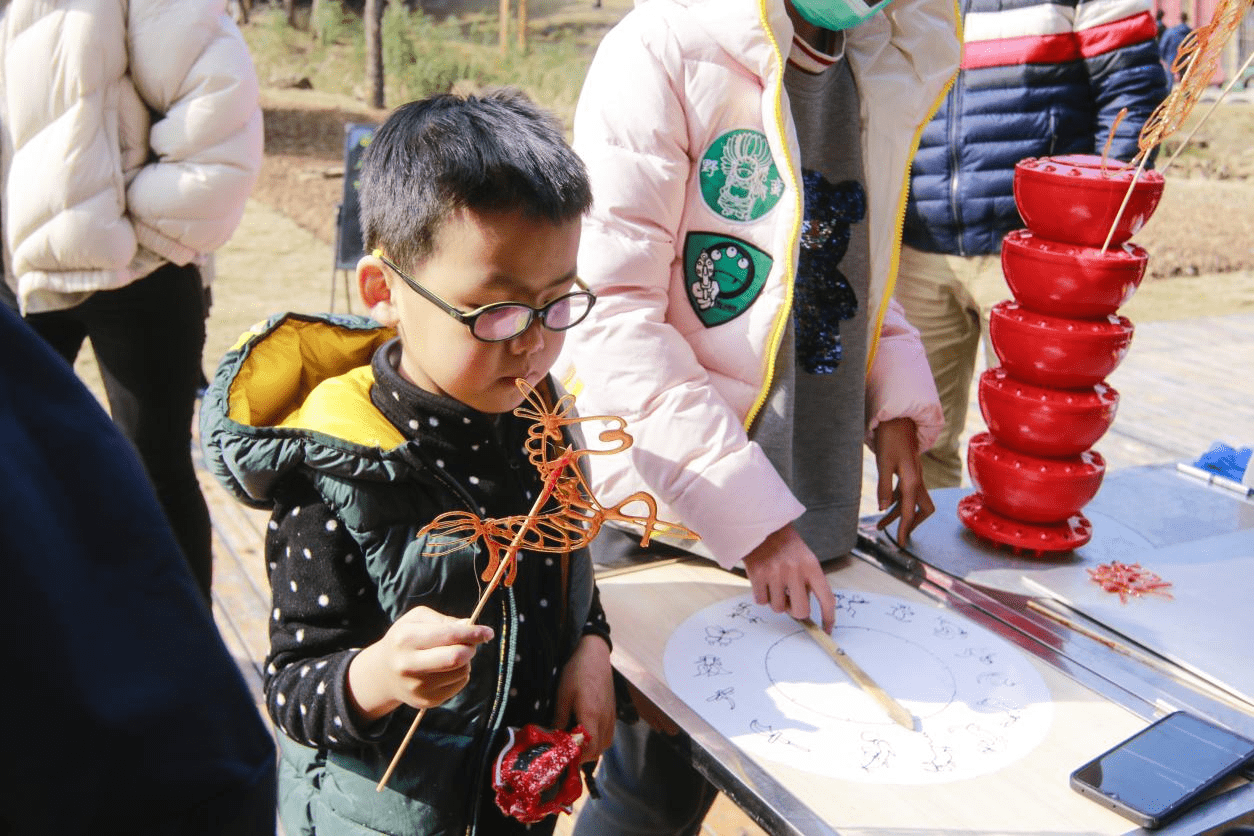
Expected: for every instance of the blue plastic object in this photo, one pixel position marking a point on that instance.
(1228, 462)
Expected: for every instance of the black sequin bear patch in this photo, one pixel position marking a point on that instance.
(823, 295)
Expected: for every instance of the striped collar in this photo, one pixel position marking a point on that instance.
(809, 59)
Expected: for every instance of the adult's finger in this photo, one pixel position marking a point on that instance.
(924, 510)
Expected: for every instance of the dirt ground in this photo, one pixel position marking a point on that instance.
(1204, 224)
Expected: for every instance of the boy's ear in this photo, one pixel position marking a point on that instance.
(372, 285)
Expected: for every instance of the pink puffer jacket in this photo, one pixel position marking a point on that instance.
(683, 77)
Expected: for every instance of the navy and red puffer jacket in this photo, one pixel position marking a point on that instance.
(1037, 79)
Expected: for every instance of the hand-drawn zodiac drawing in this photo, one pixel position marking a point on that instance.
(903, 613)
(721, 636)
(995, 679)
(987, 741)
(983, 654)
(979, 705)
(773, 736)
(877, 753)
(710, 666)
(1007, 712)
(745, 611)
(942, 759)
(846, 600)
(946, 629)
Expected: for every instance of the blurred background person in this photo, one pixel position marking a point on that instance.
(1036, 80)
(1169, 44)
(132, 141)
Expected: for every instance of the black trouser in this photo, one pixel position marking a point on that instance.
(149, 339)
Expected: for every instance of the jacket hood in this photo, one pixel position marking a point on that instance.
(295, 392)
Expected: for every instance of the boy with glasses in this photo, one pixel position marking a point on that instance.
(357, 433)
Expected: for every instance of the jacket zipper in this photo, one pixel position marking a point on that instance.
(955, 205)
(789, 173)
(505, 664)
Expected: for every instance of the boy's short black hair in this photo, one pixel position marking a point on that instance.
(497, 152)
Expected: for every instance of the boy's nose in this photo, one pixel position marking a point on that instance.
(531, 340)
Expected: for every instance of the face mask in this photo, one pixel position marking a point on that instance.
(837, 14)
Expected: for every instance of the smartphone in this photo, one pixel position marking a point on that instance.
(1155, 775)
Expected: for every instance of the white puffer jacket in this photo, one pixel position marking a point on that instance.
(135, 137)
(667, 85)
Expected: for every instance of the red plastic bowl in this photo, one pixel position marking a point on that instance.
(1070, 280)
(1072, 198)
(1055, 423)
(1056, 352)
(1032, 488)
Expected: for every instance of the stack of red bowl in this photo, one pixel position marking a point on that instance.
(1057, 340)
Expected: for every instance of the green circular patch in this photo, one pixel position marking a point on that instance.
(739, 180)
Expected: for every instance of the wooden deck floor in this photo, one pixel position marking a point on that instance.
(1184, 384)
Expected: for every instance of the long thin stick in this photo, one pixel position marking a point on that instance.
(898, 712)
(1053, 610)
(510, 555)
(1126, 197)
(1236, 76)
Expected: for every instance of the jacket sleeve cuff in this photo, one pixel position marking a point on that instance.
(164, 246)
(738, 503)
(354, 728)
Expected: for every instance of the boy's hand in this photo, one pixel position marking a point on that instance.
(422, 660)
(785, 573)
(586, 690)
(897, 455)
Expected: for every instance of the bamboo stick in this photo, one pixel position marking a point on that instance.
(511, 555)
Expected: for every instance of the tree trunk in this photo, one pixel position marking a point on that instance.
(522, 26)
(504, 14)
(374, 52)
(315, 20)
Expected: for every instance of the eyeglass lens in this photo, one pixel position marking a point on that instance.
(508, 321)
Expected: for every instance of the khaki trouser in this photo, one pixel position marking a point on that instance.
(948, 297)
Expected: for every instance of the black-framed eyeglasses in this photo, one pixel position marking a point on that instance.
(502, 321)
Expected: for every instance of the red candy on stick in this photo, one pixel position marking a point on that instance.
(569, 527)
(537, 773)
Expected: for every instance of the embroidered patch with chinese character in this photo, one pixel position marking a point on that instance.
(723, 275)
(739, 180)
